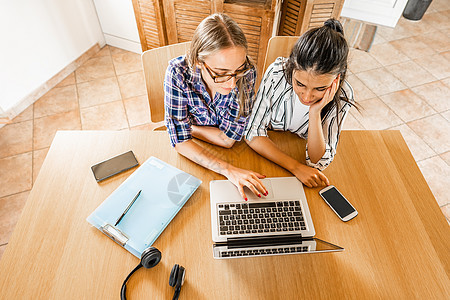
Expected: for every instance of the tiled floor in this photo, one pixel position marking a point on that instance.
(403, 83)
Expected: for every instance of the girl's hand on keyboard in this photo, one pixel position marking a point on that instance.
(240, 178)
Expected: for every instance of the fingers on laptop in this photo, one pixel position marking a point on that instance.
(254, 184)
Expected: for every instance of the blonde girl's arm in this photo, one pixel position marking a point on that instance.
(212, 135)
(239, 177)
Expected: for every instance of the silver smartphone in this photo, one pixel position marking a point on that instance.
(338, 203)
(114, 165)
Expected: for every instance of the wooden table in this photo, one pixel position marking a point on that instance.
(396, 248)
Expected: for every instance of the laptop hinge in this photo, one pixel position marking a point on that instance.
(262, 241)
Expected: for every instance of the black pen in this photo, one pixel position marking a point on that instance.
(128, 207)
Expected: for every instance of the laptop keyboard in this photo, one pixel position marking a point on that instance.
(265, 251)
(260, 218)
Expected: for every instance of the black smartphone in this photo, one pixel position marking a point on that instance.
(338, 203)
(114, 165)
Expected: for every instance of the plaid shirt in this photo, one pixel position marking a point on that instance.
(188, 103)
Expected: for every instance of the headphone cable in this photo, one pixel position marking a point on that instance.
(123, 290)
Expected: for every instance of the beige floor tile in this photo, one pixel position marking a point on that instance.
(391, 34)
(413, 47)
(137, 110)
(351, 123)
(438, 40)
(116, 51)
(69, 80)
(378, 39)
(98, 91)
(407, 105)
(57, 100)
(132, 85)
(127, 62)
(95, 68)
(381, 81)
(446, 115)
(38, 160)
(438, 20)
(103, 52)
(438, 5)
(446, 157)
(436, 94)
(16, 138)
(416, 27)
(437, 65)
(437, 175)
(446, 81)
(446, 32)
(446, 55)
(109, 116)
(410, 73)
(375, 115)
(361, 91)
(46, 127)
(446, 211)
(387, 54)
(360, 61)
(25, 115)
(16, 174)
(419, 149)
(10, 211)
(435, 131)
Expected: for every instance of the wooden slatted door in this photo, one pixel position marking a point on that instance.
(182, 18)
(321, 10)
(291, 16)
(150, 21)
(256, 20)
(300, 15)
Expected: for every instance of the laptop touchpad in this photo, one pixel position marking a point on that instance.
(268, 184)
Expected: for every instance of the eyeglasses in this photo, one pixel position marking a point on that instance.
(225, 77)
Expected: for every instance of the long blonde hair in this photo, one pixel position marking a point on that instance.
(214, 33)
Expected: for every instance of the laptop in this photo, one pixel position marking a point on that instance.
(277, 224)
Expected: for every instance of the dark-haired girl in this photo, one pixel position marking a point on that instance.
(305, 94)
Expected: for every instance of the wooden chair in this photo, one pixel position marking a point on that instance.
(278, 46)
(155, 62)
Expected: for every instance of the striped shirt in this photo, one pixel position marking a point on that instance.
(188, 103)
(274, 109)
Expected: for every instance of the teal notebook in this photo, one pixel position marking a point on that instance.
(165, 189)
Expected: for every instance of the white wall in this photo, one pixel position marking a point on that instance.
(381, 12)
(119, 24)
(39, 38)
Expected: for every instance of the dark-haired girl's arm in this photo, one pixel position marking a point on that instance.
(309, 176)
(316, 141)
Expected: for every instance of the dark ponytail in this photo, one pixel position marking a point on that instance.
(335, 25)
(322, 50)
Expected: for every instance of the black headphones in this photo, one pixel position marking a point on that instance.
(150, 258)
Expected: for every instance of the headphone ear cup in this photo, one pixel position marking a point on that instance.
(173, 275)
(150, 257)
(180, 277)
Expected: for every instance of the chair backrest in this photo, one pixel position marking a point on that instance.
(278, 46)
(155, 62)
